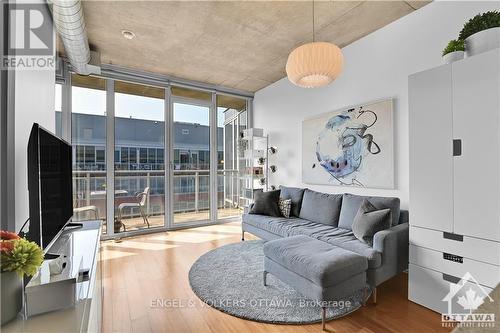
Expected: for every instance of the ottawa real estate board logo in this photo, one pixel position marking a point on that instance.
(30, 37)
(464, 300)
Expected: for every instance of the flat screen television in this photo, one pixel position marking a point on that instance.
(49, 185)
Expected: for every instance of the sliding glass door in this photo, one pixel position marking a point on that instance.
(191, 160)
(139, 157)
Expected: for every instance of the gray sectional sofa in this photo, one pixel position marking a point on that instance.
(328, 218)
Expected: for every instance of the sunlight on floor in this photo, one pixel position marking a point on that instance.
(109, 254)
(161, 241)
(134, 243)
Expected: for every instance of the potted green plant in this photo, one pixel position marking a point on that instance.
(453, 51)
(481, 33)
(19, 257)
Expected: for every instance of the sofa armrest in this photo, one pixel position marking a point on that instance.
(393, 244)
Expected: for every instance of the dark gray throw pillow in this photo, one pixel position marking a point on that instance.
(369, 220)
(295, 194)
(266, 203)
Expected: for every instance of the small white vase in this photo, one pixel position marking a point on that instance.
(482, 41)
(448, 58)
(12, 295)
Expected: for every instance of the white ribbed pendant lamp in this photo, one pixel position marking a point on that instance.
(314, 64)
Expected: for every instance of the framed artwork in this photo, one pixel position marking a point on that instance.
(350, 147)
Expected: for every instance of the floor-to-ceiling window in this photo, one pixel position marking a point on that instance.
(88, 138)
(174, 152)
(139, 157)
(191, 155)
(231, 121)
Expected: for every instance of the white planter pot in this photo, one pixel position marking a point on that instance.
(453, 56)
(12, 295)
(482, 41)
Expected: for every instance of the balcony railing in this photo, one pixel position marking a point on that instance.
(191, 191)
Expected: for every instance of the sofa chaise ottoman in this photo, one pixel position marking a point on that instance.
(329, 218)
(318, 270)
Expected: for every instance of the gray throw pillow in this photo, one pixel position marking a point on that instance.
(321, 207)
(352, 202)
(368, 221)
(295, 194)
(266, 203)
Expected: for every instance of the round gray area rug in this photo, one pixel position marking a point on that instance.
(229, 279)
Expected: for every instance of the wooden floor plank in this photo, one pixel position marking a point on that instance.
(140, 270)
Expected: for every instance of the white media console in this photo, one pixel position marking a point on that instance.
(454, 178)
(77, 288)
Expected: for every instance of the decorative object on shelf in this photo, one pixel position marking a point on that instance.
(272, 150)
(314, 64)
(272, 168)
(262, 181)
(454, 51)
(256, 171)
(261, 160)
(481, 33)
(19, 257)
(350, 147)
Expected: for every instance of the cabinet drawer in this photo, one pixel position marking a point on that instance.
(486, 274)
(428, 288)
(468, 247)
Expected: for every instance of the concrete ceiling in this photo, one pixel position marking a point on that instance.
(238, 44)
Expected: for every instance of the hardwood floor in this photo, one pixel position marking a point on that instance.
(140, 270)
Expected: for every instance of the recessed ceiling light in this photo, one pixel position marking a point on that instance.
(128, 34)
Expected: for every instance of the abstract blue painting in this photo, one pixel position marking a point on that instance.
(350, 147)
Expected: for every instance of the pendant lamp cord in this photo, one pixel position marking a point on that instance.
(313, 18)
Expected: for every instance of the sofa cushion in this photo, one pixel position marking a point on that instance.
(351, 204)
(295, 194)
(321, 263)
(369, 220)
(280, 226)
(344, 238)
(321, 207)
(266, 203)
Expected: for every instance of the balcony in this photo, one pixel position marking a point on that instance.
(190, 201)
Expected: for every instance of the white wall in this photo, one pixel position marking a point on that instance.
(35, 96)
(34, 102)
(376, 66)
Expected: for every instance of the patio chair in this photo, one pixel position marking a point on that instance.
(84, 209)
(141, 203)
(78, 211)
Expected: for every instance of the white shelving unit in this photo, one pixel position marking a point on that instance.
(254, 164)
